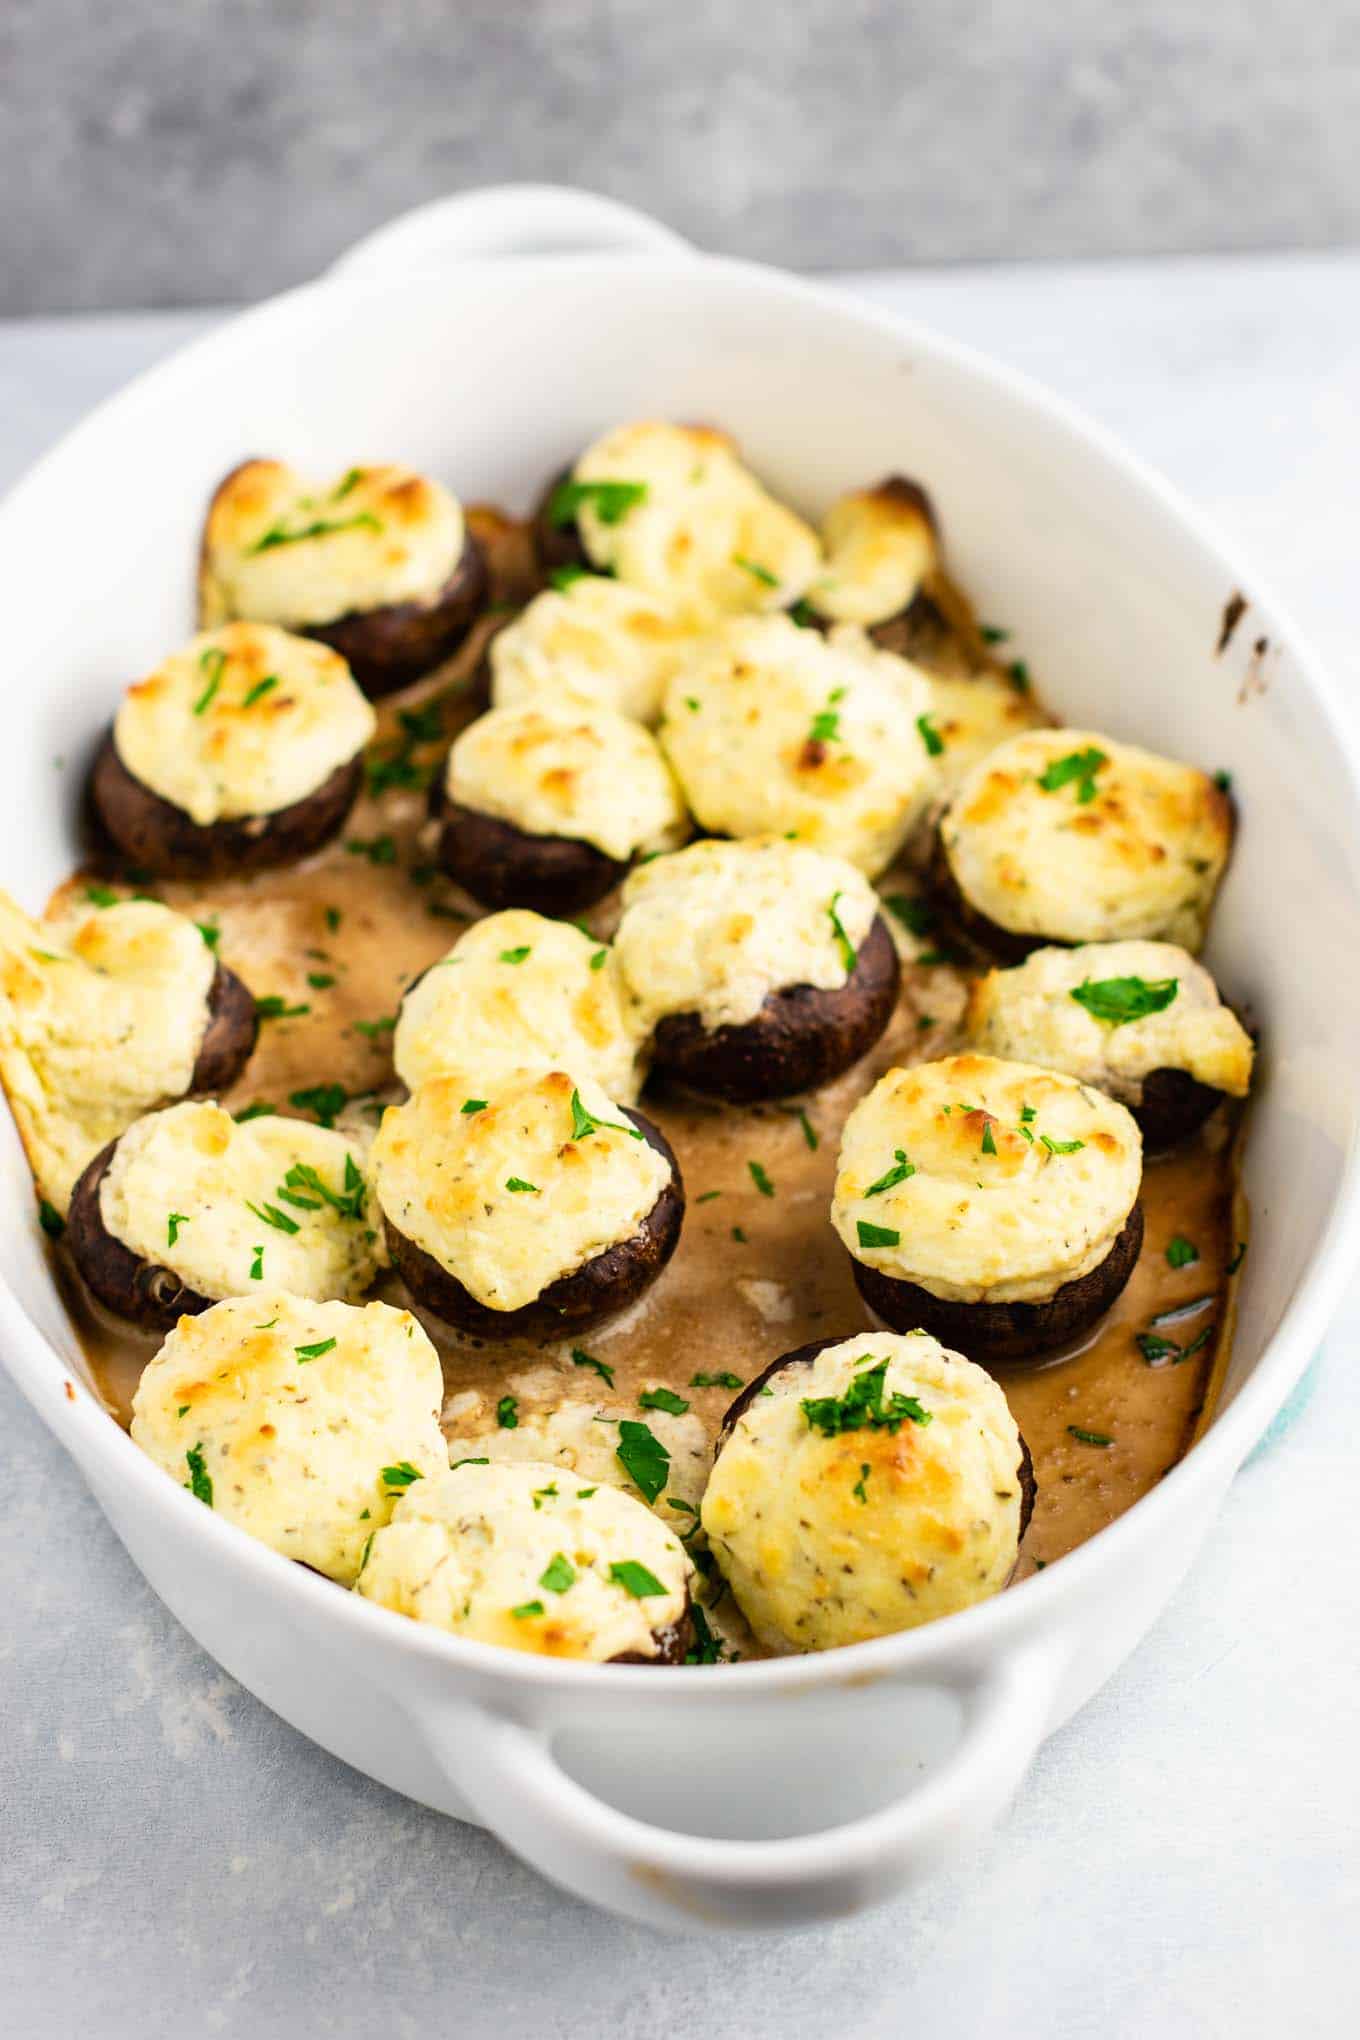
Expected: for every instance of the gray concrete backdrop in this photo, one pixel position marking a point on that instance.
(185, 151)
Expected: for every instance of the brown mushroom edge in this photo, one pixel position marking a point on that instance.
(605, 1285)
(504, 866)
(156, 836)
(801, 1038)
(1001, 1333)
(393, 647)
(803, 1356)
(673, 1643)
(145, 1293)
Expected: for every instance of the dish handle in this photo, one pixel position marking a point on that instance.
(504, 220)
(509, 1774)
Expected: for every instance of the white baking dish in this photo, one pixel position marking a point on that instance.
(785, 1790)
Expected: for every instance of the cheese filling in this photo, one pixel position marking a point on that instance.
(971, 718)
(595, 640)
(584, 1438)
(510, 1197)
(774, 730)
(225, 1205)
(880, 545)
(279, 549)
(719, 926)
(243, 721)
(525, 1557)
(985, 1181)
(569, 770)
(892, 1500)
(670, 509)
(1070, 835)
(102, 1015)
(300, 1422)
(519, 992)
(1109, 1014)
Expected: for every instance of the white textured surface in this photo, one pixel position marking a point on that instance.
(1182, 1861)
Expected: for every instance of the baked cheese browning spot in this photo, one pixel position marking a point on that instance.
(595, 640)
(1020, 1179)
(1072, 836)
(296, 1454)
(509, 1554)
(569, 769)
(796, 734)
(224, 1177)
(102, 1015)
(277, 549)
(716, 928)
(473, 1016)
(880, 545)
(871, 1490)
(1061, 1006)
(444, 1178)
(702, 524)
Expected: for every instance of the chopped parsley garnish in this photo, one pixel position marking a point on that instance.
(1018, 674)
(349, 480)
(988, 1144)
(739, 1236)
(371, 1029)
(50, 1219)
(401, 1475)
(858, 1490)
(708, 1648)
(915, 916)
(1154, 1348)
(507, 1413)
(260, 689)
(803, 614)
(1085, 1437)
(314, 1352)
(584, 1123)
(849, 954)
(755, 570)
(471, 1105)
(862, 1407)
(323, 527)
(992, 634)
(334, 916)
(1200, 1339)
(483, 1461)
(877, 1235)
(1181, 1252)
(541, 1495)
(320, 980)
(347, 1202)
(327, 1101)
(663, 1399)
(1223, 781)
(761, 1179)
(1236, 1260)
(716, 1381)
(930, 736)
(527, 1608)
(199, 1482)
(580, 1358)
(599, 959)
(173, 1222)
(257, 1265)
(825, 727)
(811, 1137)
(273, 1006)
(611, 501)
(563, 577)
(643, 1458)
(708, 1197)
(1080, 767)
(635, 1579)
(210, 665)
(1121, 999)
(692, 703)
(271, 1215)
(101, 896)
(898, 1173)
(368, 1546)
(515, 955)
(377, 849)
(210, 932)
(1061, 1147)
(259, 1110)
(518, 1184)
(558, 1574)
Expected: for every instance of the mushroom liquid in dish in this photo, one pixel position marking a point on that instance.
(373, 973)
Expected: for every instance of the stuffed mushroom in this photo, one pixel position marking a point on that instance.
(380, 565)
(527, 1557)
(1063, 835)
(880, 545)
(242, 750)
(106, 1011)
(591, 639)
(992, 1203)
(549, 807)
(863, 1486)
(518, 991)
(533, 1210)
(761, 968)
(671, 509)
(1141, 1020)
(189, 1207)
(773, 730)
(300, 1422)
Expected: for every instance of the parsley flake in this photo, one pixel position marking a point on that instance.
(315, 1352)
(663, 1399)
(1181, 1252)
(635, 1579)
(1080, 767)
(558, 1574)
(877, 1235)
(1118, 1000)
(849, 954)
(507, 1413)
(898, 1173)
(610, 501)
(930, 736)
(401, 1475)
(580, 1358)
(863, 1407)
(761, 1179)
(643, 1458)
(199, 1482)
(172, 1225)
